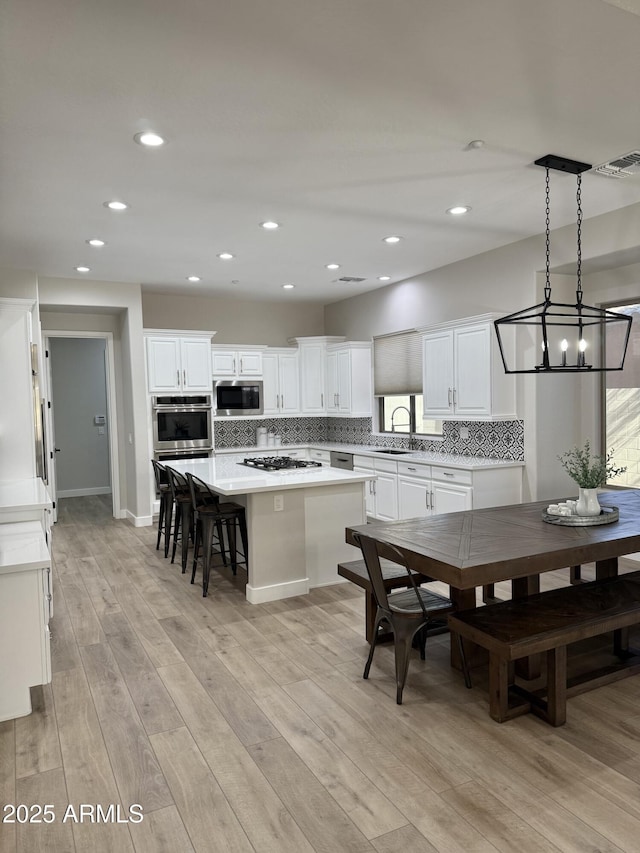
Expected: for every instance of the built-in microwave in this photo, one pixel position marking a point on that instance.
(237, 397)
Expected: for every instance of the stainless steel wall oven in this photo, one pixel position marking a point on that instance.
(181, 423)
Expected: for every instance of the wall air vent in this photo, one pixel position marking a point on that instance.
(622, 167)
(351, 279)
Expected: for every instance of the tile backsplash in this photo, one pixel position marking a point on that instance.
(494, 439)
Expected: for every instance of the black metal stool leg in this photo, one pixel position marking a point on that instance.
(185, 510)
(168, 521)
(160, 521)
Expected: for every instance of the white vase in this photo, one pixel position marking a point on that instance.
(588, 502)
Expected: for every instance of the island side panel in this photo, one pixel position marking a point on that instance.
(328, 510)
(277, 567)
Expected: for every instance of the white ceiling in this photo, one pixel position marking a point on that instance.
(344, 120)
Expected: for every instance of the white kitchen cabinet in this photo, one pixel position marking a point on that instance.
(178, 362)
(232, 361)
(312, 353)
(281, 388)
(317, 454)
(381, 494)
(463, 375)
(25, 610)
(349, 391)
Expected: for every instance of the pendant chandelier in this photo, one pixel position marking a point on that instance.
(563, 337)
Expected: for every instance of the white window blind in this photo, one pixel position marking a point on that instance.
(397, 363)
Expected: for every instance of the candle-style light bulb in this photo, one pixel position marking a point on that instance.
(564, 346)
(582, 345)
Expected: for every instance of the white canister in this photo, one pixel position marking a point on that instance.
(277, 439)
(261, 437)
(271, 439)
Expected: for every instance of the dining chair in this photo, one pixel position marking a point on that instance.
(211, 516)
(408, 612)
(165, 512)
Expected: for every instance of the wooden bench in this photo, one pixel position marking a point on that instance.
(548, 622)
(394, 576)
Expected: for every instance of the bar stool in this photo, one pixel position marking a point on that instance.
(165, 514)
(183, 523)
(210, 515)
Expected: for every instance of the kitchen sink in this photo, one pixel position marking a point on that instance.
(392, 452)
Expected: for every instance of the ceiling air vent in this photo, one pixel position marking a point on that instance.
(622, 167)
(351, 279)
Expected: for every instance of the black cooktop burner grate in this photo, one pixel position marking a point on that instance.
(278, 463)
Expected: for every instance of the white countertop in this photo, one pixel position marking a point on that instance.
(23, 494)
(426, 457)
(227, 476)
(22, 547)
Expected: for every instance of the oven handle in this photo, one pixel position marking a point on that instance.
(202, 407)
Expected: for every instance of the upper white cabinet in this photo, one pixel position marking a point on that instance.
(231, 361)
(348, 380)
(178, 361)
(281, 388)
(463, 376)
(313, 363)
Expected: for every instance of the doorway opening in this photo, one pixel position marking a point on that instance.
(81, 413)
(621, 405)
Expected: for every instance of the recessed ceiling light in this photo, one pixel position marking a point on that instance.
(83, 269)
(392, 239)
(193, 278)
(225, 256)
(97, 244)
(235, 281)
(270, 225)
(149, 138)
(458, 210)
(333, 266)
(384, 278)
(288, 286)
(116, 205)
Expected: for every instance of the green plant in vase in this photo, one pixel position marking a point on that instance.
(590, 473)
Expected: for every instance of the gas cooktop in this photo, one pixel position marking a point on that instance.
(278, 463)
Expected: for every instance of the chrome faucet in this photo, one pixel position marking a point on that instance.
(412, 438)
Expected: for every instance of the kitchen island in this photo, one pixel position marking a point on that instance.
(295, 519)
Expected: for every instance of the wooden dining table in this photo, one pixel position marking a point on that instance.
(479, 547)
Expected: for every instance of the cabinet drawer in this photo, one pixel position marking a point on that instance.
(297, 453)
(451, 475)
(413, 469)
(319, 455)
(388, 465)
(364, 462)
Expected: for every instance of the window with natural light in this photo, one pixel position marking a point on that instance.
(402, 413)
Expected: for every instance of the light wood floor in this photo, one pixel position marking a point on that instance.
(241, 728)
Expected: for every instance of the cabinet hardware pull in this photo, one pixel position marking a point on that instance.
(178, 377)
(410, 469)
(322, 401)
(234, 364)
(449, 396)
(240, 365)
(454, 396)
(447, 474)
(184, 377)
(432, 503)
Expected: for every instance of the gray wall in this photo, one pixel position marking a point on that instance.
(233, 320)
(79, 392)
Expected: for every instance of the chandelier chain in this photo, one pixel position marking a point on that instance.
(579, 230)
(547, 286)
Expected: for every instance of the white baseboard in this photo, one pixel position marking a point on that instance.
(277, 591)
(79, 493)
(139, 520)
